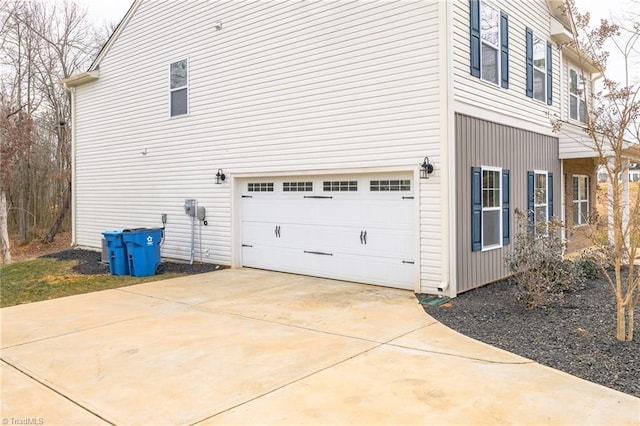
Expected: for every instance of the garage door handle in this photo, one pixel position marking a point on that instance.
(278, 231)
(318, 196)
(361, 237)
(319, 252)
(365, 237)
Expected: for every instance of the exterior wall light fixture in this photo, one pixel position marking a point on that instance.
(220, 176)
(426, 168)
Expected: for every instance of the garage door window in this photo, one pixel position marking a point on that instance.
(340, 185)
(297, 186)
(390, 185)
(260, 187)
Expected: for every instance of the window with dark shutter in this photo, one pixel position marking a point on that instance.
(539, 200)
(489, 205)
(489, 43)
(529, 63)
(506, 222)
(504, 50)
(549, 74)
(476, 209)
(474, 26)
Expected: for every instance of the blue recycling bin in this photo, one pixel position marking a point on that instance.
(117, 252)
(143, 250)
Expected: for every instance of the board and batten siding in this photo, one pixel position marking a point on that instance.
(483, 143)
(480, 98)
(282, 88)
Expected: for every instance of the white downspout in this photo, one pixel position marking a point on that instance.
(451, 154)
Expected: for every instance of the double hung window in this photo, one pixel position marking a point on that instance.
(577, 107)
(539, 68)
(489, 46)
(580, 199)
(540, 200)
(179, 88)
(490, 217)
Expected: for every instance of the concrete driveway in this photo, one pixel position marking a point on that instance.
(254, 347)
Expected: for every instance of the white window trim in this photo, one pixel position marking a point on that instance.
(546, 201)
(544, 71)
(579, 97)
(188, 87)
(497, 47)
(585, 179)
(499, 208)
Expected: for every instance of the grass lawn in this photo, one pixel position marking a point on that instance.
(46, 278)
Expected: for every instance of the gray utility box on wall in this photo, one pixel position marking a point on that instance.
(105, 251)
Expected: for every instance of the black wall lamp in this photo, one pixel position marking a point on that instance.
(426, 168)
(220, 176)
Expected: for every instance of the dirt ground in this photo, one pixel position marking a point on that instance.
(37, 248)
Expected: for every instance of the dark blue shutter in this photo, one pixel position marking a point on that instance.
(531, 181)
(474, 25)
(476, 209)
(550, 194)
(504, 49)
(506, 235)
(549, 74)
(529, 63)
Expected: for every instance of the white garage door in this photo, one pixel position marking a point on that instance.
(355, 228)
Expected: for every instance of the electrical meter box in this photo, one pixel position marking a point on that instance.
(201, 213)
(190, 207)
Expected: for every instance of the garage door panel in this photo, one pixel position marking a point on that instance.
(392, 214)
(357, 235)
(348, 267)
(332, 239)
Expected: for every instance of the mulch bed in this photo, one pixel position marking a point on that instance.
(576, 334)
(89, 263)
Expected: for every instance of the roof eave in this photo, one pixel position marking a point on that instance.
(80, 79)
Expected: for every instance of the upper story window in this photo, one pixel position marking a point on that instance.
(490, 37)
(577, 106)
(539, 68)
(179, 88)
(489, 43)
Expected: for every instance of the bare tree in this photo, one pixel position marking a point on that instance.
(16, 138)
(43, 43)
(612, 117)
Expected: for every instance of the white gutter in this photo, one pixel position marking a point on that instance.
(80, 79)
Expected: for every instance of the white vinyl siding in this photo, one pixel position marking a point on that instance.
(283, 88)
(479, 98)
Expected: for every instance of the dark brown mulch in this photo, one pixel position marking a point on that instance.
(575, 335)
(89, 263)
